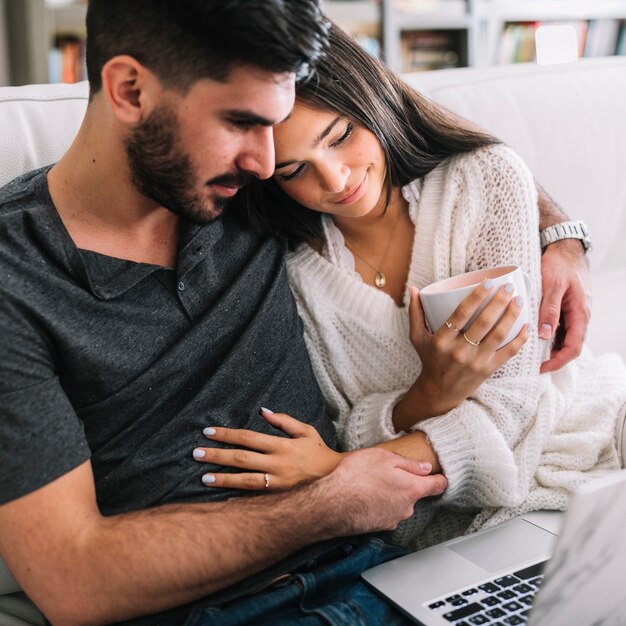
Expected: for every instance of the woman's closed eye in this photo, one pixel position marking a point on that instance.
(335, 144)
(345, 136)
(293, 174)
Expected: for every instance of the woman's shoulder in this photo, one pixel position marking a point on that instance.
(495, 159)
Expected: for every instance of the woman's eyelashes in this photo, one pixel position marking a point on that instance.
(334, 144)
(293, 174)
(344, 137)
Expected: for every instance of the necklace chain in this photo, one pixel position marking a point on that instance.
(380, 280)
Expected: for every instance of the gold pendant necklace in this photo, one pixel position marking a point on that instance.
(380, 280)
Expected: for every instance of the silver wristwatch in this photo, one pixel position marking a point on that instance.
(566, 230)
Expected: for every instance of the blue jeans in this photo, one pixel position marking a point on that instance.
(330, 594)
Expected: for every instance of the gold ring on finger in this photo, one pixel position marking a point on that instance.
(266, 476)
(474, 343)
(451, 326)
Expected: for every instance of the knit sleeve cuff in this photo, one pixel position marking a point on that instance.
(370, 421)
(453, 446)
(477, 464)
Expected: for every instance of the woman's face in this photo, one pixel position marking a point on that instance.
(329, 163)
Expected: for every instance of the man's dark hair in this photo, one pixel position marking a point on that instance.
(182, 41)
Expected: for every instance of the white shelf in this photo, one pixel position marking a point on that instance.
(431, 15)
(351, 12)
(548, 10)
(67, 18)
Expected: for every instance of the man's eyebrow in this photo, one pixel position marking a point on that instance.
(316, 142)
(248, 117)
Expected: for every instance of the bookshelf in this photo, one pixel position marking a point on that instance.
(42, 39)
(487, 32)
(598, 24)
(362, 18)
(45, 40)
(427, 34)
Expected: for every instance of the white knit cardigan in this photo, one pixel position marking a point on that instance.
(523, 441)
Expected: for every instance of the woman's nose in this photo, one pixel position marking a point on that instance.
(334, 177)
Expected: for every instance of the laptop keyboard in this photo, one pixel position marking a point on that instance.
(502, 601)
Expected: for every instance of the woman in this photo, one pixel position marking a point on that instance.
(375, 191)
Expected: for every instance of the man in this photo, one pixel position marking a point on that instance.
(126, 326)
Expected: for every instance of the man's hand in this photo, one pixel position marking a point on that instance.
(374, 489)
(566, 296)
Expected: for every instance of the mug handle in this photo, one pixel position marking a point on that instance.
(529, 283)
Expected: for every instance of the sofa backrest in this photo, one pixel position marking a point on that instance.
(37, 125)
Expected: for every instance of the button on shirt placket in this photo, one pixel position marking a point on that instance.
(194, 269)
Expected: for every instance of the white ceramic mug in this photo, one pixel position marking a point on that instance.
(440, 299)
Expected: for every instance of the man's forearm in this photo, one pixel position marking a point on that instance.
(549, 211)
(82, 568)
(143, 562)
(182, 553)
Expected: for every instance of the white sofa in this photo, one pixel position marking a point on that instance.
(566, 121)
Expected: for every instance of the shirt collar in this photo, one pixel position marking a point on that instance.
(107, 277)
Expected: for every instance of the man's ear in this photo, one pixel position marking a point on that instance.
(130, 88)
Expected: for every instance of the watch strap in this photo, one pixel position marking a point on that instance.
(566, 230)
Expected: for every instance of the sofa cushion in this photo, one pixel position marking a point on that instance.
(37, 125)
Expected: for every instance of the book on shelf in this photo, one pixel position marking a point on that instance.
(621, 40)
(66, 59)
(429, 50)
(517, 42)
(602, 37)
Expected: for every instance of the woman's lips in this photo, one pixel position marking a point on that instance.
(353, 196)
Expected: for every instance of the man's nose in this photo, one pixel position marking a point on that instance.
(257, 155)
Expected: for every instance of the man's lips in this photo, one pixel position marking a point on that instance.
(353, 195)
(227, 191)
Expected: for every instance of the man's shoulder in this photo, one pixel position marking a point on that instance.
(19, 195)
(25, 227)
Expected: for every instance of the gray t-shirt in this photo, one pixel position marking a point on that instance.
(125, 363)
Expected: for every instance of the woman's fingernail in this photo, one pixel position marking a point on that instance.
(208, 479)
(509, 287)
(199, 453)
(488, 284)
(519, 301)
(264, 410)
(207, 432)
(425, 467)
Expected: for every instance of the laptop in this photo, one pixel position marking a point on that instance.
(541, 569)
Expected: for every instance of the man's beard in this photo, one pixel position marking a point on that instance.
(162, 171)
